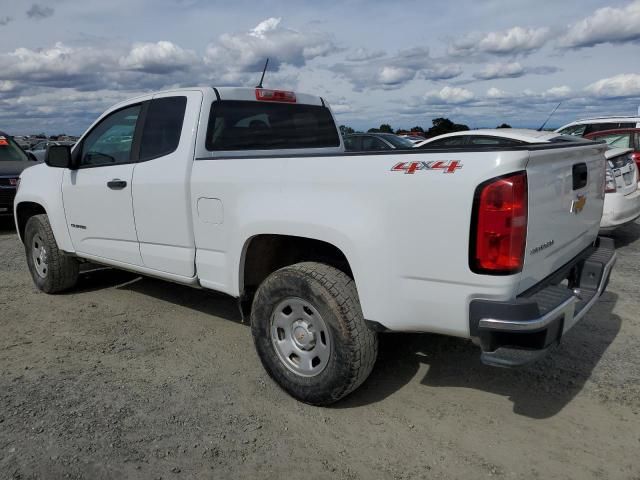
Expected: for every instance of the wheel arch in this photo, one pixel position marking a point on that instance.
(263, 254)
(24, 211)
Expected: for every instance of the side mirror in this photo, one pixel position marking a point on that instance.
(58, 156)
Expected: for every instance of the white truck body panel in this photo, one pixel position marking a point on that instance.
(101, 220)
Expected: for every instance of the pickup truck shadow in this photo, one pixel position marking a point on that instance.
(95, 277)
(538, 391)
(204, 301)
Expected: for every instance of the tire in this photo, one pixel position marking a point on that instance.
(320, 304)
(52, 271)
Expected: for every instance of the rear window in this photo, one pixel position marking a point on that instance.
(10, 151)
(239, 125)
(477, 140)
(617, 140)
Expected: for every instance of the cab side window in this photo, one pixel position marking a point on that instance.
(162, 127)
(352, 144)
(575, 130)
(599, 127)
(109, 143)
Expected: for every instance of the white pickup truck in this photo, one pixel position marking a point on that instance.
(249, 192)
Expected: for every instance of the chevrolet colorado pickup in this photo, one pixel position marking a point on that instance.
(250, 192)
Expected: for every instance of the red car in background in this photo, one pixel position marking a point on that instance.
(620, 138)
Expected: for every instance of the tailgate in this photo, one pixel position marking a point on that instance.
(566, 196)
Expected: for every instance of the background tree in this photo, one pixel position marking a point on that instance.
(504, 125)
(444, 125)
(345, 130)
(385, 128)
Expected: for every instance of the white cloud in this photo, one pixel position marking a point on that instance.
(394, 71)
(496, 93)
(500, 70)
(511, 70)
(7, 86)
(509, 42)
(362, 54)
(623, 85)
(160, 57)
(57, 66)
(391, 75)
(442, 72)
(606, 25)
(447, 94)
(558, 93)
(247, 52)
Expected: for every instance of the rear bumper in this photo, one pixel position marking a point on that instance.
(520, 331)
(619, 210)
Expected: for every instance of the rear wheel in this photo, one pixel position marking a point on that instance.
(310, 334)
(52, 271)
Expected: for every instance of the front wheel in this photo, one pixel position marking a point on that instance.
(310, 333)
(52, 271)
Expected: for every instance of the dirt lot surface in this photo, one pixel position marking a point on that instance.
(128, 377)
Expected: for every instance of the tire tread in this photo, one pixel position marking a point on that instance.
(62, 269)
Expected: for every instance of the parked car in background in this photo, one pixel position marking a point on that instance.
(621, 194)
(412, 138)
(40, 149)
(622, 197)
(375, 142)
(581, 128)
(621, 138)
(13, 160)
(490, 137)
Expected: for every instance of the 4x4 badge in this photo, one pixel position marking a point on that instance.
(578, 204)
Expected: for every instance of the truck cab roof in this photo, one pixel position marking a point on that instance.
(233, 93)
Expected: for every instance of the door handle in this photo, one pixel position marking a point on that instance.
(116, 184)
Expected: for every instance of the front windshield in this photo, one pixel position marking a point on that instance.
(10, 151)
(398, 142)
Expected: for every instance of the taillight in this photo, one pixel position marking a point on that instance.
(635, 156)
(275, 95)
(499, 225)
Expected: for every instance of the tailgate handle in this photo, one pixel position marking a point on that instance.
(580, 175)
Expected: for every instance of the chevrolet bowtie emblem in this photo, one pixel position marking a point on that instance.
(578, 204)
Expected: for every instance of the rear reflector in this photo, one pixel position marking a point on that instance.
(275, 95)
(499, 225)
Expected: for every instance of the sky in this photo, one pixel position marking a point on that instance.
(63, 62)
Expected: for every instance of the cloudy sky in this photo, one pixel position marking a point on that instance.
(62, 62)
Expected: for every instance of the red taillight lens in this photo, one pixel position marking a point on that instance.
(499, 225)
(275, 95)
(636, 158)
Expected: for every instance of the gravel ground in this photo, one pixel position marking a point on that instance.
(128, 377)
